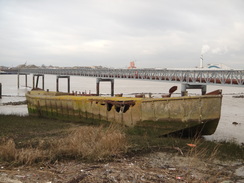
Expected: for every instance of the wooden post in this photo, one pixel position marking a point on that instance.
(0, 90)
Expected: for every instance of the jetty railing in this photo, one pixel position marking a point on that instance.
(205, 77)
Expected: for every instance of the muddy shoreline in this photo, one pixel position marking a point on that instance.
(153, 167)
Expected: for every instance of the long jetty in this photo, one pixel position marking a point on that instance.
(203, 77)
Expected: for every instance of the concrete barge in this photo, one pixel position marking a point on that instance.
(191, 114)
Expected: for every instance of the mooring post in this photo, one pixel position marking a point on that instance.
(57, 82)
(185, 86)
(33, 81)
(98, 83)
(68, 84)
(25, 80)
(204, 89)
(18, 80)
(183, 89)
(43, 82)
(37, 80)
(112, 85)
(0, 90)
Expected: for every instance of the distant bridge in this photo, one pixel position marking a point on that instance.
(203, 77)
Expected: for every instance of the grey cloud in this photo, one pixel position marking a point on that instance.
(158, 33)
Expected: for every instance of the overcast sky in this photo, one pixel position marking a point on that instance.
(111, 33)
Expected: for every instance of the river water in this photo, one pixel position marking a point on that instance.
(232, 108)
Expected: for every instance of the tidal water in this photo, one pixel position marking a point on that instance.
(232, 108)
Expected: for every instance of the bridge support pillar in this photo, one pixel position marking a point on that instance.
(35, 84)
(57, 82)
(112, 85)
(185, 86)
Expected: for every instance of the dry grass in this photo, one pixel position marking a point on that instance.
(199, 155)
(201, 151)
(8, 150)
(92, 143)
(26, 140)
(30, 155)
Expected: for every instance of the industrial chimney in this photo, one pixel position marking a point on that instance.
(201, 61)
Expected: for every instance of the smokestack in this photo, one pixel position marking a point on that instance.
(201, 61)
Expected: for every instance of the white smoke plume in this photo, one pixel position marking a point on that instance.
(205, 49)
(220, 51)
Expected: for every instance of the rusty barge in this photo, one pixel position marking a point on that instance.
(190, 114)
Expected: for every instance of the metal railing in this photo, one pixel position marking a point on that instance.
(217, 77)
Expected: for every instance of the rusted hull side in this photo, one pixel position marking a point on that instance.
(166, 115)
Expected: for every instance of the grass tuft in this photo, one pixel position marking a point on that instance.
(87, 142)
(94, 143)
(7, 150)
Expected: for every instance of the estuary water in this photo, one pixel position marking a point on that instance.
(232, 108)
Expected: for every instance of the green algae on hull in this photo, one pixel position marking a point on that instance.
(166, 115)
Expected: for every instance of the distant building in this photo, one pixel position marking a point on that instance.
(3, 68)
(218, 66)
(132, 65)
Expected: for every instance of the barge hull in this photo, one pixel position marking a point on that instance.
(166, 115)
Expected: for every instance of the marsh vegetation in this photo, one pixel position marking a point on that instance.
(38, 142)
